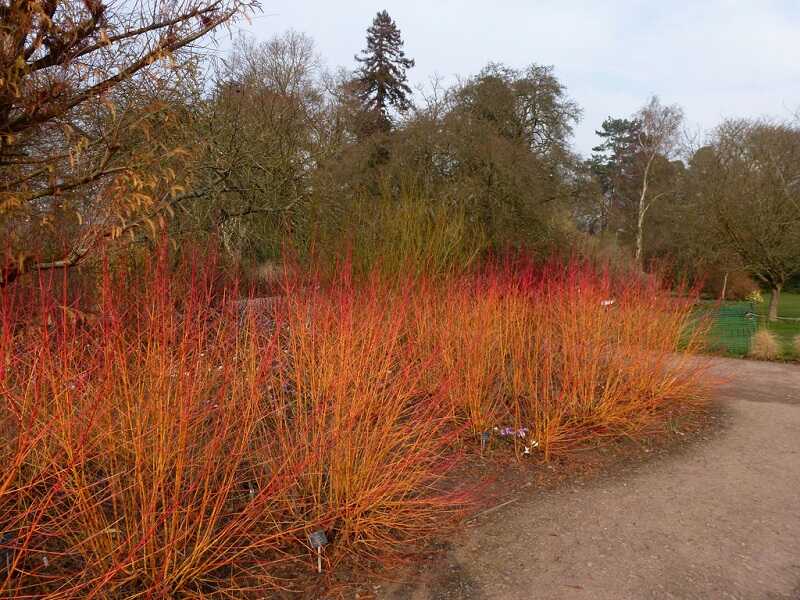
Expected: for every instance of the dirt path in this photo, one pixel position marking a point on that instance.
(720, 520)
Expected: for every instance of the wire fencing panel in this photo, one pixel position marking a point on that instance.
(732, 328)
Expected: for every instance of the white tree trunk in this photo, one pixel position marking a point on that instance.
(643, 206)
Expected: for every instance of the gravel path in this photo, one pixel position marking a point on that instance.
(720, 520)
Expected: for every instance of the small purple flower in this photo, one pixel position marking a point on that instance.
(522, 432)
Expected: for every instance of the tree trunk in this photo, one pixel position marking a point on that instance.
(725, 286)
(643, 206)
(774, 299)
(640, 234)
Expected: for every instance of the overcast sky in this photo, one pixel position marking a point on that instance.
(716, 58)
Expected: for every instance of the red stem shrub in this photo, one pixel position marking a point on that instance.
(162, 440)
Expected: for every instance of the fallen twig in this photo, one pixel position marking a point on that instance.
(489, 511)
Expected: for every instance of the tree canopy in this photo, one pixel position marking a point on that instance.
(84, 88)
(749, 182)
(115, 124)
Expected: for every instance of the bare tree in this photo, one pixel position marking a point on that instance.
(659, 128)
(750, 186)
(84, 88)
(265, 126)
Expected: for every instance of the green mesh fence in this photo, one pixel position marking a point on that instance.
(733, 325)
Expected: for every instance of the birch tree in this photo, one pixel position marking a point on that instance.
(658, 131)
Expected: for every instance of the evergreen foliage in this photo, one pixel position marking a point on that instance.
(382, 80)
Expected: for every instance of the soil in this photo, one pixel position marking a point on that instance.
(711, 512)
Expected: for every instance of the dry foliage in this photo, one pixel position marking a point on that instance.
(765, 345)
(85, 88)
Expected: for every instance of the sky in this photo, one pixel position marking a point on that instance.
(715, 58)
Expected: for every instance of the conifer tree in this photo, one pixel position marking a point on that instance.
(382, 76)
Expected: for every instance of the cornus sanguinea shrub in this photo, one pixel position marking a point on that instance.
(134, 451)
(165, 438)
(563, 353)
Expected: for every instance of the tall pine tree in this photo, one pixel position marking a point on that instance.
(382, 76)
(613, 162)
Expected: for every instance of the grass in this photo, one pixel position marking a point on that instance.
(764, 345)
(785, 331)
(159, 441)
(732, 331)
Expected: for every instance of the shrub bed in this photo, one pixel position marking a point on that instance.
(160, 441)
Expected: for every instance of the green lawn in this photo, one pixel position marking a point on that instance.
(732, 327)
(786, 330)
